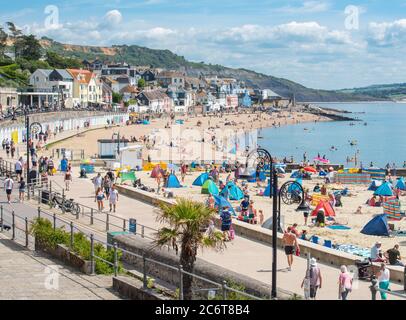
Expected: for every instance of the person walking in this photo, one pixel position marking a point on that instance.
(291, 246)
(313, 279)
(97, 183)
(8, 186)
(383, 280)
(68, 179)
(21, 190)
(344, 283)
(113, 198)
(107, 185)
(8, 148)
(12, 149)
(100, 198)
(183, 171)
(19, 168)
(226, 222)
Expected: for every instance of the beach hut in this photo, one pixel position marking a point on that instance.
(401, 184)
(155, 171)
(201, 179)
(221, 202)
(173, 182)
(234, 192)
(378, 226)
(385, 190)
(209, 187)
(324, 205)
(375, 184)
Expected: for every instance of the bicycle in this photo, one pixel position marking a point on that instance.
(66, 205)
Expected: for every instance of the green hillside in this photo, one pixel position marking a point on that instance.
(396, 91)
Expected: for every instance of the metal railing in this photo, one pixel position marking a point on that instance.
(21, 232)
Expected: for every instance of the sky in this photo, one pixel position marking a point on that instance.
(321, 44)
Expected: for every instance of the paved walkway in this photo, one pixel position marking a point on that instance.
(27, 275)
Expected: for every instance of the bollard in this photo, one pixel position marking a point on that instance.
(144, 271)
(92, 264)
(39, 196)
(1, 218)
(180, 282)
(54, 218)
(143, 232)
(13, 226)
(71, 234)
(28, 192)
(124, 225)
(91, 216)
(26, 232)
(115, 260)
(39, 212)
(224, 289)
(107, 222)
(77, 215)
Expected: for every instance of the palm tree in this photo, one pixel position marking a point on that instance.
(187, 222)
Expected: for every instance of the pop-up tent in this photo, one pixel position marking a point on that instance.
(378, 226)
(209, 187)
(221, 202)
(234, 192)
(155, 171)
(296, 174)
(401, 184)
(201, 179)
(385, 190)
(268, 190)
(295, 187)
(253, 178)
(324, 205)
(375, 184)
(173, 182)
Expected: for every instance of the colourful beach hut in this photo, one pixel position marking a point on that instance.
(209, 187)
(326, 207)
(173, 182)
(401, 184)
(375, 184)
(378, 226)
(201, 179)
(385, 190)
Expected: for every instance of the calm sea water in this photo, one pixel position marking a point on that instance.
(382, 141)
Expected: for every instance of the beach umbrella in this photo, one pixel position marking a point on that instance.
(310, 169)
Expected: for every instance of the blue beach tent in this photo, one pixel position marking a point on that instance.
(201, 179)
(221, 202)
(384, 190)
(401, 184)
(234, 192)
(378, 226)
(296, 174)
(173, 182)
(268, 190)
(294, 187)
(375, 184)
(253, 178)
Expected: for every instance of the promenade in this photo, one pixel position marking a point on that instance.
(244, 256)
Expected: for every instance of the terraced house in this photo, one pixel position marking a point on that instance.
(87, 88)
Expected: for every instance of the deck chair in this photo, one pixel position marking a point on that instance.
(391, 208)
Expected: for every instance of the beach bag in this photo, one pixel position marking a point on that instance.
(232, 233)
(297, 252)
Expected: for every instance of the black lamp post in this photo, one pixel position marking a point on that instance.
(37, 127)
(259, 159)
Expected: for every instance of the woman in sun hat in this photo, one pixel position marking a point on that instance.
(313, 276)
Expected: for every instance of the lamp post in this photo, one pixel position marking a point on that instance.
(259, 159)
(36, 127)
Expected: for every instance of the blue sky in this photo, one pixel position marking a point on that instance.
(314, 42)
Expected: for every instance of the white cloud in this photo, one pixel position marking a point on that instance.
(307, 7)
(387, 33)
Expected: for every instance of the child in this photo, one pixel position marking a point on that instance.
(261, 217)
(100, 198)
(21, 189)
(68, 179)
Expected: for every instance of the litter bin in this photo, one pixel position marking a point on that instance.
(45, 196)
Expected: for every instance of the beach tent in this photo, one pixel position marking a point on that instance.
(378, 226)
(201, 179)
(384, 190)
(328, 210)
(294, 187)
(221, 202)
(234, 192)
(296, 174)
(268, 190)
(401, 184)
(145, 122)
(375, 184)
(173, 182)
(253, 178)
(155, 171)
(209, 187)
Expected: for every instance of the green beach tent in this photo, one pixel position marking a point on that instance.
(209, 187)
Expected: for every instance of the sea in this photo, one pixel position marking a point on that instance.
(378, 138)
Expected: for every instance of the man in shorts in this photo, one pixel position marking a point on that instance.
(19, 168)
(113, 198)
(8, 186)
(291, 245)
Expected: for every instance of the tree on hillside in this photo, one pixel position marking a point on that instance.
(3, 41)
(186, 222)
(141, 83)
(15, 37)
(30, 48)
(59, 62)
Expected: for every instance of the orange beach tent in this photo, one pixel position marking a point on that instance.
(328, 210)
